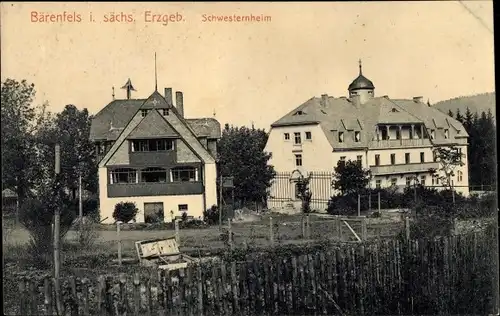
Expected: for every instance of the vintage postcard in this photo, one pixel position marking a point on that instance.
(238, 158)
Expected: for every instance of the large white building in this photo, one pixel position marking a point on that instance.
(394, 138)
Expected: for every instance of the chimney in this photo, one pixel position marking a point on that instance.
(179, 103)
(324, 100)
(417, 99)
(168, 96)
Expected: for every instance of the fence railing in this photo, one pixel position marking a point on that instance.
(448, 275)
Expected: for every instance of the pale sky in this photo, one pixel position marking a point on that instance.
(250, 72)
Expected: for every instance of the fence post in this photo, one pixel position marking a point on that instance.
(407, 227)
(339, 227)
(271, 237)
(118, 238)
(453, 191)
(230, 233)
(363, 229)
(379, 202)
(370, 202)
(177, 236)
(359, 205)
(308, 227)
(303, 226)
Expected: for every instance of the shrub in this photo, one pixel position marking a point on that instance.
(37, 216)
(86, 233)
(184, 216)
(211, 216)
(125, 211)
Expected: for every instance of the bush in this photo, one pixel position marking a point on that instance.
(125, 211)
(211, 216)
(37, 216)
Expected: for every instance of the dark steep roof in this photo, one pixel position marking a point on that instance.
(114, 117)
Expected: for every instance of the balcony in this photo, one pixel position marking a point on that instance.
(403, 168)
(297, 147)
(154, 189)
(397, 143)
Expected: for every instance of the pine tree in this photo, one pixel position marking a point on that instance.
(468, 120)
(459, 116)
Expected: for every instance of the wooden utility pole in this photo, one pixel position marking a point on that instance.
(80, 203)
(220, 203)
(57, 220)
(379, 202)
(119, 239)
(359, 205)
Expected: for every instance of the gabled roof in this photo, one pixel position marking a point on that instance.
(175, 123)
(112, 119)
(153, 125)
(340, 114)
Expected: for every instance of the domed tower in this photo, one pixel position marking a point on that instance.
(361, 86)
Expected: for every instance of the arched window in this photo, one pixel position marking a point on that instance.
(123, 175)
(459, 176)
(154, 174)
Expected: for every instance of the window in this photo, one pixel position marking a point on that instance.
(183, 207)
(433, 134)
(407, 158)
(459, 176)
(359, 159)
(341, 137)
(297, 191)
(422, 157)
(378, 184)
(422, 180)
(394, 182)
(308, 135)
(446, 133)
(165, 112)
(123, 175)
(298, 140)
(357, 137)
(144, 113)
(393, 159)
(298, 160)
(408, 181)
(152, 145)
(398, 134)
(184, 174)
(154, 174)
(287, 136)
(377, 160)
(435, 180)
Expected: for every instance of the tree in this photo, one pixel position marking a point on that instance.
(350, 177)
(77, 151)
(17, 120)
(459, 116)
(304, 193)
(449, 158)
(242, 156)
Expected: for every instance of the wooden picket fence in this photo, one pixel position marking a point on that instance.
(391, 277)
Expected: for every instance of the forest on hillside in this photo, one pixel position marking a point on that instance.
(481, 153)
(476, 103)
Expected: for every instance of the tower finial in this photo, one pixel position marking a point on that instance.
(156, 76)
(360, 71)
(113, 95)
(129, 87)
